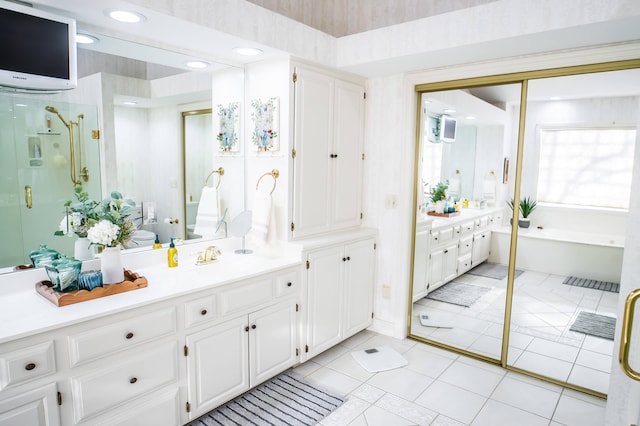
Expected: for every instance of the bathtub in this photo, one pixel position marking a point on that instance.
(562, 252)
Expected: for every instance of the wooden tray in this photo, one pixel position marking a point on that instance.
(132, 281)
(443, 214)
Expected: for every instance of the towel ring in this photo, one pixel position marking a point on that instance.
(275, 173)
(220, 172)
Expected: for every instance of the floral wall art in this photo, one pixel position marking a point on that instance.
(228, 130)
(266, 119)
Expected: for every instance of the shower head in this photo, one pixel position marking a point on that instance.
(56, 112)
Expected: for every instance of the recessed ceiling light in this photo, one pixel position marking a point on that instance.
(470, 117)
(85, 39)
(555, 98)
(125, 16)
(449, 111)
(129, 103)
(21, 105)
(427, 101)
(247, 51)
(197, 64)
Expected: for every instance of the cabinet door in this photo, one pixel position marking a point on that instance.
(420, 262)
(436, 259)
(358, 285)
(348, 148)
(481, 247)
(34, 408)
(324, 300)
(312, 199)
(272, 341)
(217, 365)
(450, 262)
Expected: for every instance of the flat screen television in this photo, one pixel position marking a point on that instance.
(38, 49)
(448, 127)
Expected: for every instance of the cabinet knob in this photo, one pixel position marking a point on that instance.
(333, 156)
(446, 251)
(253, 327)
(344, 259)
(288, 284)
(348, 257)
(246, 328)
(30, 366)
(203, 312)
(129, 336)
(133, 380)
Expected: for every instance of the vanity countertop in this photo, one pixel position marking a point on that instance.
(465, 214)
(23, 312)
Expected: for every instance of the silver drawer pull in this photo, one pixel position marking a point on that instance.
(129, 336)
(30, 366)
(133, 380)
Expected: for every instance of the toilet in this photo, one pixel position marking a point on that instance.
(142, 238)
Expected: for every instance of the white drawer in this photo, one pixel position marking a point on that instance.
(120, 382)
(159, 409)
(26, 364)
(200, 310)
(467, 227)
(98, 342)
(244, 296)
(464, 263)
(287, 284)
(466, 243)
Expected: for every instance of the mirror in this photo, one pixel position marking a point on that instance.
(240, 227)
(137, 141)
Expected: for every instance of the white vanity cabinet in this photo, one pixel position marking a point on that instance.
(36, 407)
(254, 338)
(443, 256)
(421, 261)
(339, 294)
(328, 152)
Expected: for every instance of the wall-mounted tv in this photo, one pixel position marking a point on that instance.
(38, 49)
(448, 127)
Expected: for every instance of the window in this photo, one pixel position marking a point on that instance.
(586, 167)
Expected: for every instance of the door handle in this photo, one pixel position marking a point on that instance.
(28, 196)
(627, 327)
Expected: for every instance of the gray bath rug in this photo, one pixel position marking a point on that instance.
(594, 324)
(492, 270)
(594, 284)
(458, 293)
(286, 399)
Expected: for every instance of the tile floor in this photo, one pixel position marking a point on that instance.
(540, 339)
(438, 387)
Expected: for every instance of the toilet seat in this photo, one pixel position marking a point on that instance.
(143, 238)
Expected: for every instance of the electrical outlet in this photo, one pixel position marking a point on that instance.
(386, 291)
(390, 201)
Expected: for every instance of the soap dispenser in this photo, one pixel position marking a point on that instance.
(172, 255)
(156, 243)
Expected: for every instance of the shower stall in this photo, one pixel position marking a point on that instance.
(46, 148)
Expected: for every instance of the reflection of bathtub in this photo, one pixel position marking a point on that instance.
(562, 252)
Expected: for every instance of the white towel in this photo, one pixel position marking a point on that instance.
(261, 219)
(208, 215)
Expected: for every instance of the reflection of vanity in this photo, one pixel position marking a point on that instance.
(448, 247)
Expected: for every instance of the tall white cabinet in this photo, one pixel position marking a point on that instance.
(328, 152)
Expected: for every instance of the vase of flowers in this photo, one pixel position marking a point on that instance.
(80, 215)
(113, 229)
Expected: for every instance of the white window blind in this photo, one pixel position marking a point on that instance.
(586, 167)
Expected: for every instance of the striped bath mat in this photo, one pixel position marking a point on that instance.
(595, 324)
(286, 399)
(594, 284)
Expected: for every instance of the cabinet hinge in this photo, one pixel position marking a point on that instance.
(297, 307)
(361, 215)
(308, 264)
(306, 348)
(186, 350)
(188, 407)
(297, 352)
(95, 134)
(59, 398)
(365, 95)
(363, 155)
(375, 246)
(292, 226)
(293, 153)
(371, 315)
(295, 76)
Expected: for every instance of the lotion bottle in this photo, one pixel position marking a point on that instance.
(172, 255)
(156, 243)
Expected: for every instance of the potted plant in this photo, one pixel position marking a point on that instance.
(527, 206)
(439, 195)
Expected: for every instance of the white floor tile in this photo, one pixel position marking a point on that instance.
(425, 362)
(408, 410)
(471, 378)
(596, 344)
(330, 354)
(527, 397)
(376, 416)
(347, 365)
(496, 413)
(368, 393)
(544, 365)
(553, 350)
(346, 413)
(594, 360)
(572, 411)
(488, 346)
(455, 403)
(401, 382)
(442, 420)
(332, 380)
(589, 378)
(306, 368)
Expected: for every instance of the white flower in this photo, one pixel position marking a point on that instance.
(104, 233)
